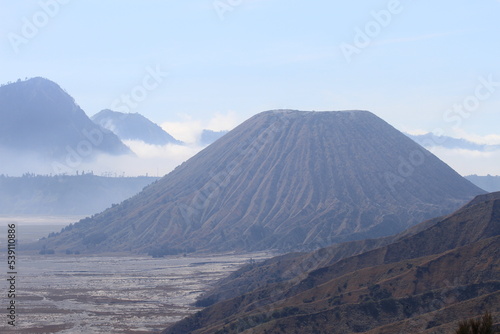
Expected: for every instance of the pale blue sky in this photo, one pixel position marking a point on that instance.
(265, 54)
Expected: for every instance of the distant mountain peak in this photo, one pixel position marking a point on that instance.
(41, 81)
(133, 126)
(38, 89)
(38, 81)
(39, 117)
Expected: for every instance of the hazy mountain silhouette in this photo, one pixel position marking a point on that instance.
(422, 281)
(286, 180)
(209, 136)
(431, 140)
(38, 117)
(133, 127)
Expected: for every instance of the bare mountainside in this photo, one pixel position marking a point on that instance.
(283, 180)
(424, 280)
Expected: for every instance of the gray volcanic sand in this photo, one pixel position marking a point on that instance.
(112, 294)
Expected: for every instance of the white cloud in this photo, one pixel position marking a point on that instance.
(149, 159)
(147, 151)
(189, 130)
(221, 122)
(491, 139)
(153, 160)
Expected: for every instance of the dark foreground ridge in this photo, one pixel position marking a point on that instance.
(281, 180)
(424, 280)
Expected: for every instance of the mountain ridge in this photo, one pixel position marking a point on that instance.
(324, 257)
(380, 291)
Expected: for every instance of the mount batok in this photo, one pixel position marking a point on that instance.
(282, 180)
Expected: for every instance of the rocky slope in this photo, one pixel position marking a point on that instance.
(284, 180)
(424, 281)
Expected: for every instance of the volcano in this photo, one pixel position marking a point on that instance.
(282, 180)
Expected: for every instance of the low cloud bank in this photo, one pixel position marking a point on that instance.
(467, 162)
(151, 160)
(189, 130)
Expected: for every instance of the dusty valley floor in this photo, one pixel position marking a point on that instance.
(69, 294)
(105, 294)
